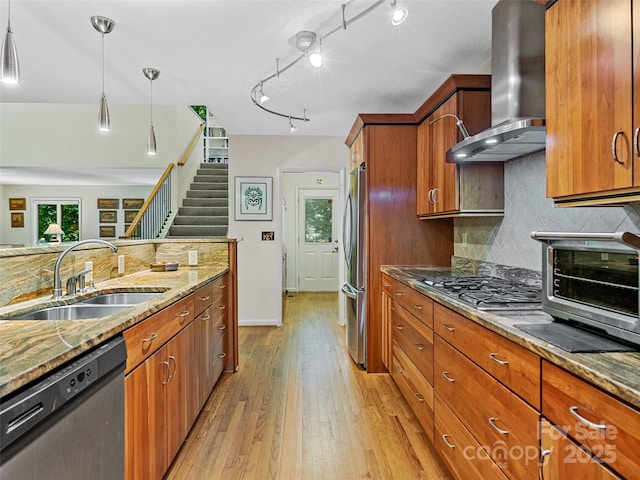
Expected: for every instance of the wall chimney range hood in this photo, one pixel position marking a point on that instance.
(517, 88)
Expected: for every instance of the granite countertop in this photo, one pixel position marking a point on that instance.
(31, 348)
(616, 373)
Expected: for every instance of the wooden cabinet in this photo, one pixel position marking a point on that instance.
(156, 408)
(609, 428)
(356, 152)
(449, 189)
(394, 235)
(592, 79)
(561, 458)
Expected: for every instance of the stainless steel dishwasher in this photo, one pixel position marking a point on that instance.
(69, 425)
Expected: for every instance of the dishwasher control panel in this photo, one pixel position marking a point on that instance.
(76, 377)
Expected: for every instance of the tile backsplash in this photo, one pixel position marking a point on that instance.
(507, 241)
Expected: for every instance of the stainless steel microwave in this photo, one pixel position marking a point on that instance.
(592, 279)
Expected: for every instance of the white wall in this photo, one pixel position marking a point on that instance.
(260, 262)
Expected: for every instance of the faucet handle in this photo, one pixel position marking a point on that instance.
(71, 284)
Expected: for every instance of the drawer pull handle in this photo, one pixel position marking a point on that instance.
(168, 371)
(418, 307)
(447, 377)
(419, 397)
(636, 147)
(399, 327)
(151, 338)
(400, 294)
(221, 307)
(183, 314)
(446, 442)
(543, 455)
(222, 355)
(596, 426)
(398, 368)
(492, 356)
(205, 318)
(492, 421)
(222, 286)
(205, 298)
(222, 327)
(614, 151)
(449, 327)
(175, 366)
(386, 284)
(419, 346)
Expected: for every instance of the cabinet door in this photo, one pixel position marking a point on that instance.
(423, 174)
(443, 176)
(561, 458)
(636, 90)
(588, 96)
(356, 152)
(387, 306)
(145, 427)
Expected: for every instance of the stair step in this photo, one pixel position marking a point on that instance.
(202, 211)
(214, 165)
(201, 220)
(206, 202)
(223, 179)
(208, 194)
(209, 186)
(181, 231)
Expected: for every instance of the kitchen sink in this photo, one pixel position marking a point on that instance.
(77, 311)
(122, 298)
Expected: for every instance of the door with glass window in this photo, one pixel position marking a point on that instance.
(64, 212)
(317, 240)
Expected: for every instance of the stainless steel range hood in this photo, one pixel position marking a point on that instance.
(517, 87)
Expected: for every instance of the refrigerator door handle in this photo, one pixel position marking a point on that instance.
(346, 239)
(349, 291)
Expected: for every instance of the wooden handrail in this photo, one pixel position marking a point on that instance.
(190, 148)
(147, 202)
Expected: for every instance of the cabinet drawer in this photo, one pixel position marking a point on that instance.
(147, 336)
(420, 305)
(202, 298)
(220, 286)
(415, 339)
(608, 427)
(414, 387)
(218, 308)
(219, 358)
(387, 284)
(500, 421)
(463, 454)
(513, 365)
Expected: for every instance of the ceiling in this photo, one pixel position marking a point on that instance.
(213, 52)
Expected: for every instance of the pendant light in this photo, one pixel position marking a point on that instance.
(10, 68)
(151, 74)
(103, 25)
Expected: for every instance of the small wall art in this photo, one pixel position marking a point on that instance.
(108, 231)
(108, 203)
(108, 216)
(17, 204)
(129, 215)
(253, 198)
(132, 203)
(17, 220)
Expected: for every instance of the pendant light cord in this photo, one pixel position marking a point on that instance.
(151, 103)
(9, 19)
(102, 64)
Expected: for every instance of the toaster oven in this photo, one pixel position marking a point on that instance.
(592, 279)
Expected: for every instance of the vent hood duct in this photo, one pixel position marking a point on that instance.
(517, 87)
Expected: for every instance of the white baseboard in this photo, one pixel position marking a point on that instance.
(258, 323)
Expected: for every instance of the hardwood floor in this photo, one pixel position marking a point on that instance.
(299, 408)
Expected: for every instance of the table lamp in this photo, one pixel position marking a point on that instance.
(55, 231)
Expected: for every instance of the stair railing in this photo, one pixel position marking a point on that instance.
(190, 148)
(149, 220)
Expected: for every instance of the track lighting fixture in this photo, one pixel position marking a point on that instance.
(103, 25)
(151, 74)
(315, 59)
(292, 128)
(263, 98)
(10, 68)
(399, 14)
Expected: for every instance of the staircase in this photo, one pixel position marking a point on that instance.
(205, 210)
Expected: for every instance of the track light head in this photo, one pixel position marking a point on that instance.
(263, 98)
(292, 128)
(399, 14)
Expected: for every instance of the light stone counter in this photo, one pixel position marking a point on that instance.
(616, 373)
(31, 348)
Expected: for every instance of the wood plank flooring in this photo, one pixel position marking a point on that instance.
(299, 408)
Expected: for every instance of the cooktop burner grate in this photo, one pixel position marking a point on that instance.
(488, 293)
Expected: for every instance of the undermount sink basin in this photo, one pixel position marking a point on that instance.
(70, 312)
(122, 298)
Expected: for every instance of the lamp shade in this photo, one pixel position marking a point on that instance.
(55, 231)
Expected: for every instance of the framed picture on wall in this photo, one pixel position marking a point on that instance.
(129, 215)
(108, 216)
(108, 203)
(17, 204)
(108, 231)
(132, 203)
(253, 198)
(17, 220)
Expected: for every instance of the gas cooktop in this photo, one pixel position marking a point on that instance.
(487, 293)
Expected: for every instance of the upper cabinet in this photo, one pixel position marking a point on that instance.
(448, 189)
(593, 122)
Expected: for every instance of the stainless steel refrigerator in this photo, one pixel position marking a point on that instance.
(353, 231)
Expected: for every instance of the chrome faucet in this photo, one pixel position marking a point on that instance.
(57, 288)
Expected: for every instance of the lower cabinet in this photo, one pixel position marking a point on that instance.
(176, 360)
